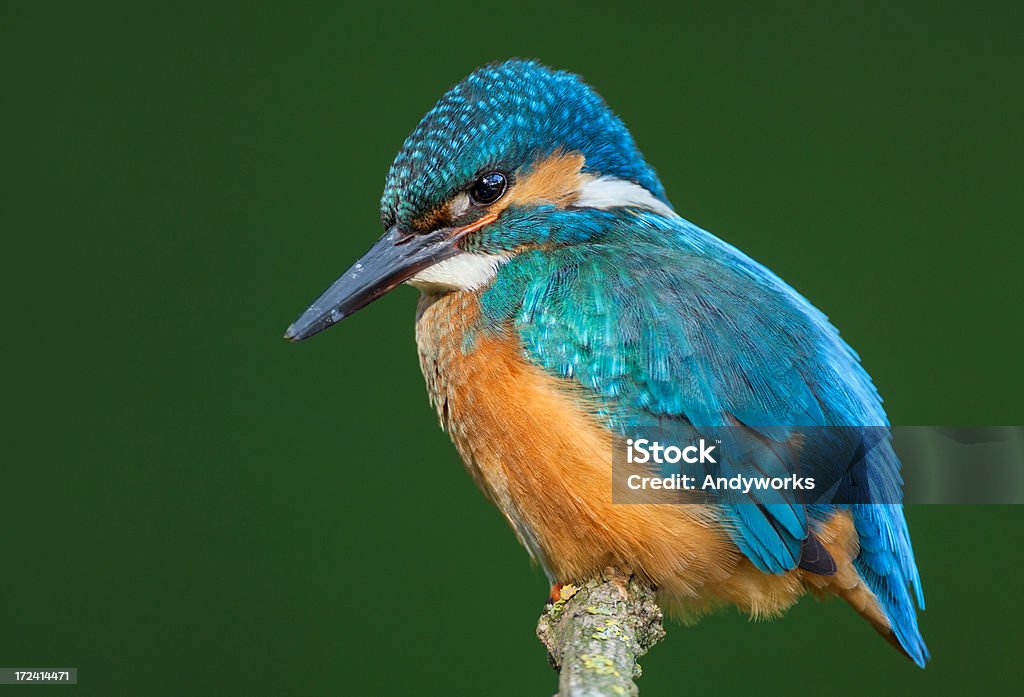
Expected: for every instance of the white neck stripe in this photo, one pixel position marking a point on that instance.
(611, 192)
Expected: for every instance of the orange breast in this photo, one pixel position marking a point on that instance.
(531, 442)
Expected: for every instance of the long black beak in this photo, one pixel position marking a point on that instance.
(394, 259)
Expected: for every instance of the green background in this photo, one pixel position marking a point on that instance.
(190, 505)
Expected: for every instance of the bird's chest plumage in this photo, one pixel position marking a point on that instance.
(480, 386)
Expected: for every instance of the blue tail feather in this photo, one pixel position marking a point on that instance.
(886, 563)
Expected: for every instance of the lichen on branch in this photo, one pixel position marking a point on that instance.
(596, 633)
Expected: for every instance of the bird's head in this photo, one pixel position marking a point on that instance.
(514, 157)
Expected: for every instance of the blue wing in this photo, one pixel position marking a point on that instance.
(663, 320)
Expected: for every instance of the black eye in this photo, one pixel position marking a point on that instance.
(488, 188)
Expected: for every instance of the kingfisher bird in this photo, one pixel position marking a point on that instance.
(564, 303)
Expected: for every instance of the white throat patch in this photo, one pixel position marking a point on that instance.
(466, 271)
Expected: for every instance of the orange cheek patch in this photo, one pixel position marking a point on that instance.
(554, 180)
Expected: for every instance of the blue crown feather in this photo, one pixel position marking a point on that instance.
(502, 116)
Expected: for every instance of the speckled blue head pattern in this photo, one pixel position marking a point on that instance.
(504, 117)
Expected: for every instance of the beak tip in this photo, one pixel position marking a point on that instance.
(299, 330)
(312, 323)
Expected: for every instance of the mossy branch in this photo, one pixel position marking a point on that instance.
(596, 633)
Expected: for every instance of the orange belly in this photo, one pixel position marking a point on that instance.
(533, 445)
